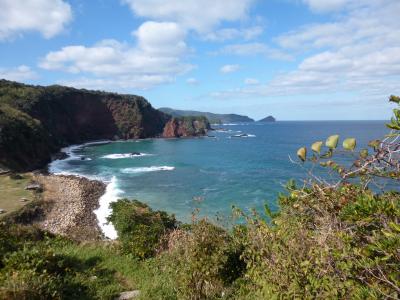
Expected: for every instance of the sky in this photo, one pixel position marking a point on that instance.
(293, 59)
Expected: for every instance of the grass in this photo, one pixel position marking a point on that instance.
(127, 272)
(11, 192)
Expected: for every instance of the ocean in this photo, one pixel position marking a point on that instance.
(208, 175)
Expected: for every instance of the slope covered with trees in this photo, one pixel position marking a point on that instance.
(37, 121)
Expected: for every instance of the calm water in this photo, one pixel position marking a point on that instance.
(179, 175)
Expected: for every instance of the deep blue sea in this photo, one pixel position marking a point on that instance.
(212, 174)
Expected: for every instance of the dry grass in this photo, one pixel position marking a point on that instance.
(11, 192)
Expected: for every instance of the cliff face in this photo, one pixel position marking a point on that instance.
(37, 121)
(186, 126)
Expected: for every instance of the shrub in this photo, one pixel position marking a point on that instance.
(207, 261)
(324, 244)
(139, 227)
(37, 265)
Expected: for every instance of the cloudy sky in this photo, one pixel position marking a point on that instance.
(295, 59)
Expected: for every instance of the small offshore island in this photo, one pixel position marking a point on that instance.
(324, 242)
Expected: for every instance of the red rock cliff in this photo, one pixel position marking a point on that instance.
(186, 127)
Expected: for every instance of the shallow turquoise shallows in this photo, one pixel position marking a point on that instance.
(210, 173)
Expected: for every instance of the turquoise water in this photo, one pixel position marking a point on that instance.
(212, 174)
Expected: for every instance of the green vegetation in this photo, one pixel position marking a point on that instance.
(139, 227)
(326, 244)
(213, 118)
(36, 265)
(336, 240)
(195, 125)
(12, 191)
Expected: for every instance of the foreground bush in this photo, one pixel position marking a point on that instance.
(326, 244)
(207, 261)
(139, 227)
(37, 265)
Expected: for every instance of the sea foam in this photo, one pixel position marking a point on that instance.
(147, 169)
(111, 195)
(124, 155)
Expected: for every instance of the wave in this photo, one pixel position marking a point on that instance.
(57, 166)
(124, 155)
(147, 169)
(235, 124)
(111, 195)
(243, 135)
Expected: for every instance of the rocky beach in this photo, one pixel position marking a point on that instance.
(70, 202)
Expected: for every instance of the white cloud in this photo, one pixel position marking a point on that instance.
(326, 5)
(251, 81)
(48, 17)
(225, 34)
(20, 73)
(161, 38)
(229, 68)
(142, 82)
(157, 58)
(359, 53)
(192, 81)
(255, 49)
(201, 16)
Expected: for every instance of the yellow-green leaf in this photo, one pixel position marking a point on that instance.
(364, 153)
(316, 147)
(332, 141)
(349, 144)
(374, 144)
(302, 153)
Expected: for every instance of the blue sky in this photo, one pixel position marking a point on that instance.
(294, 59)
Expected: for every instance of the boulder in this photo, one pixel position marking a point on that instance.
(59, 155)
(33, 187)
(128, 295)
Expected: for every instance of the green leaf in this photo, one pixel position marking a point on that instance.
(393, 126)
(316, 147)
(364, 153)
(395, 99)
(349, 144)
(328, 154)
(302, 153)
(395, 226)
(332, 141)
(374, 144)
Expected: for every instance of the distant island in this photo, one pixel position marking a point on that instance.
(213, 118)
(268, 119)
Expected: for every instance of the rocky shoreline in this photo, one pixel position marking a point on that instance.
(70, 202)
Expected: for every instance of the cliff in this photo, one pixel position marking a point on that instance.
(267, 119)
(186, 126)
(213, 118)
(37, 121)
